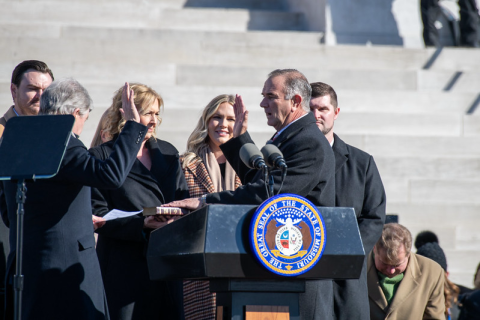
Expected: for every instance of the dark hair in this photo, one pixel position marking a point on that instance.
(22, 67)
(320, 89)
(433, 251)
(425, 237)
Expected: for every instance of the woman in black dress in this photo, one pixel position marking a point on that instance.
(155, 178)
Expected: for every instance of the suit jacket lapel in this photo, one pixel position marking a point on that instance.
(374, 290)
(409, 284)
(293, 129)
(340, 151)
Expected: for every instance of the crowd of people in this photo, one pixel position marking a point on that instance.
(128, 168)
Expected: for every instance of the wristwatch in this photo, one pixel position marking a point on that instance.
(203, 201)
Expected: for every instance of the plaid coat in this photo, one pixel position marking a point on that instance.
(198, 179)
(198, 302)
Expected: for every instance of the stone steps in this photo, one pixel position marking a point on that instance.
(148, 15)
(176, 4)
(162, 77)
(455, 227)
(423, 125)
(455, 191)
(375, 128)
(362, 123)
(428, 214)
(418, 146)
(164, 73)
(451, 191)
(353, 79)
(250, 49)
(431, 168)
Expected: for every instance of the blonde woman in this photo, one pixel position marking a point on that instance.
(101, 135)
(207, 171)
(155, 178)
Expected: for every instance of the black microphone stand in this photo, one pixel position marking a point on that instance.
(266, 176)
(18, 277)
(271, 183)
(31, 148)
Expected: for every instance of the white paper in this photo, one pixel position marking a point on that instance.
(115, 214)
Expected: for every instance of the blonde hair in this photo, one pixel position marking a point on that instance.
(451, 291)
(97, 137)
(394, 235)
(144, 97)
(198, 139)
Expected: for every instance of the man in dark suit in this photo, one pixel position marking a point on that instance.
(3, 263)
(60, 265)
(29, 79)
(469, 23)
(309, 158)
(357, 185)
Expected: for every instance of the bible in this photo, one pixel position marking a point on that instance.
(169, 211)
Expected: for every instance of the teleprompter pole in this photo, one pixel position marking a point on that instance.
(31, 148)
(18, 278)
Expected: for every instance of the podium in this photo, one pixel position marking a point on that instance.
(213, 244)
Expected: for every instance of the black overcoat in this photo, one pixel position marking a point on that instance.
(122, 243)
(358, 185)
(62, 274)
(311, 169)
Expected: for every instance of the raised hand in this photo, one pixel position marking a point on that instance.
(128, 109)
(241, 117)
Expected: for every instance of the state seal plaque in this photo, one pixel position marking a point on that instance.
(287, 234)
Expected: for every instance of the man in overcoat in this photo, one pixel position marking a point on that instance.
(286, 94)
(62, 278)
(29, 79)
(358, 185)
(402, 284)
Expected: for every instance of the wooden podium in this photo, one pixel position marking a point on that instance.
(213, 244)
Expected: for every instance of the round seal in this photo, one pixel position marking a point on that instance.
(287, 234)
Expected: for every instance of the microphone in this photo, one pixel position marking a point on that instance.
(252, 157)
(274, 157)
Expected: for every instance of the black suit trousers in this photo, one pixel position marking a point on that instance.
(430, 10)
